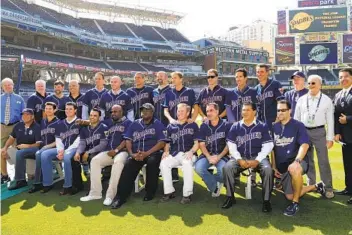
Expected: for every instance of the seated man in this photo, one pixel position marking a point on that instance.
(115, 154)
(145, 139)
(249, 144)
(47, 126)
(66, 140)
(180, 152)
(27, 137)
(291, 143)
(212, 141)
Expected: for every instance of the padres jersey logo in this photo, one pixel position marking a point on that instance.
(301, 21)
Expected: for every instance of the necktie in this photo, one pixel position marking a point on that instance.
(7, 110)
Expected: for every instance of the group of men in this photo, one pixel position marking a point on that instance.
(156, 128)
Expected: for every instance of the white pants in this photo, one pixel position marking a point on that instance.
(99, 162)
(170, 162)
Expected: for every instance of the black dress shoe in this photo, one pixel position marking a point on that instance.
(46, 189)
(349, 201)
(117, 204)
(343, 192)
(18, 184)
(75, 190)
(35, 188)
(267, 207)
(147, 198)
(228, 203)
(65, 191)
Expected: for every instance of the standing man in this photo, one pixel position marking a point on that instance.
(343, 126)
(59, 99)
(145, 139)
(12, 106)
(36, 100)
(159, 96)
(92, 97)
(140, 94)
(242, 93)
(116, 96)
(179, 94)
(249, 144)
(291, 143)
(298, 90)
(76, 96)
(316, 110)
(212, 94)
(212, 140)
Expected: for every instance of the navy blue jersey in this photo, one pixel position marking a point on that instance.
(267, 96)
(158, 100)
(140, 96)
(173, 98)
(214, 137)
(67, 132)
(287, 141)
(93, 136)
(25, 135)
(181, 137)
(47, 130)
(35, 102)
(109, 99)
(117, 132)
(292, 96)
(235, 100)
(60, 105)
(249, 139)
(79, 102)
(145, 137)
(217, 95)
(92, 98)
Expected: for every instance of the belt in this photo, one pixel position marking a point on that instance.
(313, 128)
(10, 124)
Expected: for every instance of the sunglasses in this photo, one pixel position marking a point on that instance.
(311, 83)
(282, 110)
(211, 77)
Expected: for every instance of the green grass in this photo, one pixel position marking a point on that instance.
(52, 214)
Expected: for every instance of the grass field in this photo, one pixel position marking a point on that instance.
(54, 214)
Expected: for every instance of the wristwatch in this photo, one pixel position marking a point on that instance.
(298, 160)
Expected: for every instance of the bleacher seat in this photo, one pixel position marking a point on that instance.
(115, 29)
(154, 46)
(154, 68)
(284, 75)
(172, 35)
(130, 66)
(324, 73)
(146, 32)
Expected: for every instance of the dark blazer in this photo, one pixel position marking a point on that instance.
(343, 104)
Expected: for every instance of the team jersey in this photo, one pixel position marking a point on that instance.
(181, 137)
(92, 98)
(173, 98)
(47, 130)
(145, 137)
(67, 132)
(217, 95)
(109, 99)
(35, 102)
(292, 96)
(25, 135)
(158, 100)
(117, 132)
(140, 96)
(79, 102)
(93, 136)
(60, 105)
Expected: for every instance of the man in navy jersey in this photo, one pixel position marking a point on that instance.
(242, 93)
(214, 93)
(92, 97)
(140, 94)
(268, 91)
(298, 90)
(145, 138)
(291, 143)
(114, 155)
(76, 96)
(180, 151)
(212, 142)
(159, 96)
(36, 100)
(116, 96)
(179, 94)
(67, 140)
(27, 137)
(48, 144)
(59, 99)
(249, 144)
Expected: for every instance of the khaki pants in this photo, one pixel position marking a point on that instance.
(5, 133)
(99, 162)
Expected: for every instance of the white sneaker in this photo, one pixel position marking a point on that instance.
(107, 201)
(218, 190)
(90, 198)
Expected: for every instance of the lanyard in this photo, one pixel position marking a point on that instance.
(316, 110)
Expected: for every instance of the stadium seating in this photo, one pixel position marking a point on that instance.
(154, 68)
(146, 32)
(89, 25)
(115, 29)
(324, 73)
(172, 35)
(284, 75)
(161, 47)
(128, 66)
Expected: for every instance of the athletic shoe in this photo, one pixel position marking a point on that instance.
(167, 197)
(321, 188)
(107, 201)
(292, 209)
(5, 179)
(217, 191)
(329, 194)
(186, 200)
(90, 198)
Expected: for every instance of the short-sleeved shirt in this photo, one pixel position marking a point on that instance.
(60, 103)
(173, 98)
(67, 132)
(93, 136)
(117, 132)
(17, 104)
(140, 96)
(249, 139)
(35, 102)
(25, 135)
(92, 98)
(79, 102)
(181, 137)
(109, 99)
(235, 100)
(217, 95)
(47, 130)
(292, 96)
(287, 141)
(144, 137)
(158, 100)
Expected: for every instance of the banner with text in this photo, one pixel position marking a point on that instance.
(284, 50)
(316, 3)
(281, 22)
(347, 49)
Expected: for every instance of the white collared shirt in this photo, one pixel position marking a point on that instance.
(324, 115)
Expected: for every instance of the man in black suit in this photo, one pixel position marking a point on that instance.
(343, 126)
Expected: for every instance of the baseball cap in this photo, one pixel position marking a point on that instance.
(299, 74)
(27, 110)
(148, 106)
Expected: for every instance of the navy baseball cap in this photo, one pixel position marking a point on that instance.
(27, 110)
(298, 74)
(148, 106)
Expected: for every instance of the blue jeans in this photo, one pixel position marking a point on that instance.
(201, 167)
(20, 166)
(38, 163)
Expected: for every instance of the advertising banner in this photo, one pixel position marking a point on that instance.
(284, 50)
(347, 49)
(316, 3)
(318, 53)
(281, 22)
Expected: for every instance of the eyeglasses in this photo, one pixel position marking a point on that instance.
(311, 83)
(211, 77)
(282, 110)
